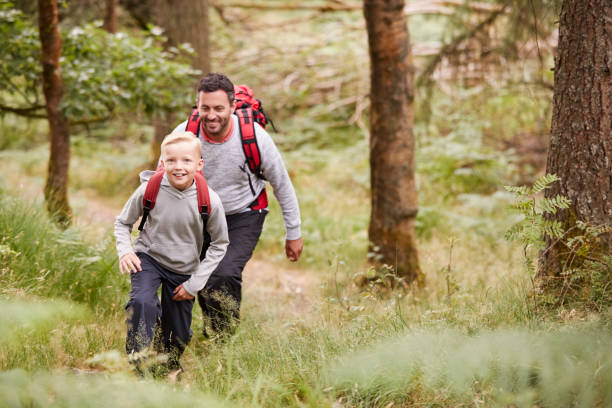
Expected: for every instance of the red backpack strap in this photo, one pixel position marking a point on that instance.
(203, 197)
(193, 124)
(150, 195)
(249, 140)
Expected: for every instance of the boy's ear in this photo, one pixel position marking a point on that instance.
(200, 165)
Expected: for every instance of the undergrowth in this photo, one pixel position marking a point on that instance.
(40, 259)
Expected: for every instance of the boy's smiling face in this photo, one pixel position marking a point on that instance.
(181, 162)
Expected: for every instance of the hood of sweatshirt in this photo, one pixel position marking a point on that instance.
(191, 191)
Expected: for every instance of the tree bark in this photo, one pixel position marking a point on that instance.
(183, 21)
(56, 188)
(394, 197)
(110, 17)
(580, 151)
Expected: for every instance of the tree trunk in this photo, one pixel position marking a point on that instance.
(56, 188)
(110, 18)
(183, 21)
(394, 198)
(580, 150)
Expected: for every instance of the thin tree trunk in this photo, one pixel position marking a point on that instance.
(110, 17)
(184, 21)
(56, 188)
(580, 150)
(394, 197)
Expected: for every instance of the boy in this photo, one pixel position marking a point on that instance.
(167, 250)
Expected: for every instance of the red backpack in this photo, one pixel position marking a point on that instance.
(152, 189)
(249, 111)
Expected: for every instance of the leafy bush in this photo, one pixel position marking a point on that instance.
(103, 74)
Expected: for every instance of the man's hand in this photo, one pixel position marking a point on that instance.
(129, 263)
(293, 249)
(181, 294)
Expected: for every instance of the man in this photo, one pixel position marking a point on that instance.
(243, 196)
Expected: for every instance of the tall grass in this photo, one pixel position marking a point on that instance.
(42, 389)
(42, 260)
(560, 368)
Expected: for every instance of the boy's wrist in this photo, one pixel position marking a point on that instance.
(188, 288)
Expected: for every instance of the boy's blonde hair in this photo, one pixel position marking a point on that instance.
(178, 137)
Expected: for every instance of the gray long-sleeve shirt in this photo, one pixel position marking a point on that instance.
(173, 234)
(227, 172)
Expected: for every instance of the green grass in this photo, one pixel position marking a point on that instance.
(42, 260)
(561, 367)
(42, 389)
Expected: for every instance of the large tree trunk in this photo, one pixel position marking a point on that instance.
(56, 188)
(394, 198)
(183, 21)
(110, 16)
(580, 150)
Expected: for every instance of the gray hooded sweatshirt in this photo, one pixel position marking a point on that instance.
(173, 233)
(228, 174)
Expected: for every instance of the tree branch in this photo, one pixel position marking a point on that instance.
(29, 112)
(453, 46)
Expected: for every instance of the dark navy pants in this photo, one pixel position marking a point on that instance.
(169, 322)
(220, 299)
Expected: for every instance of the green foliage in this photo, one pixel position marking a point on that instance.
(103, 74)
(42, 389)
(33, 318)
(16, 133)
(586, 272)
(496, 368)
(459, 162)
(43, 260)
(532, 230)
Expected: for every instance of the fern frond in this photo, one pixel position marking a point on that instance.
(552, 229)
(518, 190)
(514, 232)
(544, 182)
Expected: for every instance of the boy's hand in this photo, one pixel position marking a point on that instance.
(181, 294)
(293, 249)
(129, 263)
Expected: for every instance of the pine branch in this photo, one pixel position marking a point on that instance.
(453, 46)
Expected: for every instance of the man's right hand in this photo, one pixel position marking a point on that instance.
(129, 263)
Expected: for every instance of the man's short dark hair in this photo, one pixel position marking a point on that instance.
(214, 81)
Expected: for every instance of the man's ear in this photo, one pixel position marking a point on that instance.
(233, 106)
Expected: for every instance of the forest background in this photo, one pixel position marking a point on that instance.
(336, 329)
